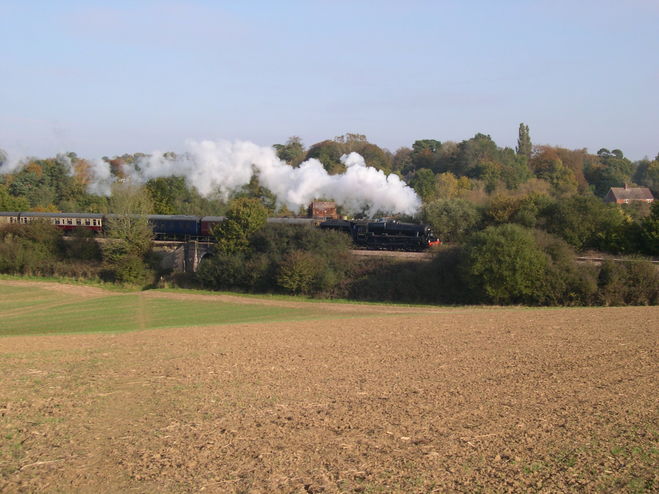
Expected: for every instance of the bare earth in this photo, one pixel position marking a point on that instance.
(403, 400)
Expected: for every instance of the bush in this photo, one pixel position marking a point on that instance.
(289, 258)
(503, 265)
(628, 283)
(564, 281)
(82, 245)
(223, 272)
(123, 264)
(298, 272)
(29, 249)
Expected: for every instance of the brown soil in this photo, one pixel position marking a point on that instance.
(466, 400)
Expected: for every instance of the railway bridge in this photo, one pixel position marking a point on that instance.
(183, 257)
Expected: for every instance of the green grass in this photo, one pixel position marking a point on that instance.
(33, 310)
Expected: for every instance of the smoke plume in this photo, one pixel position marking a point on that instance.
(225, 166)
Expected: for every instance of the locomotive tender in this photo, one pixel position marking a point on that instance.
(377, 235)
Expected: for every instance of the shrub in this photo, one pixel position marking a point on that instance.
(564, 281)
(628, 283)
(298, 272)
(82, 245)
(223, 272)
(29, 249)
(503, 265)
(122, 263)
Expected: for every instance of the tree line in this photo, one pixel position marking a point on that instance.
(512, 221)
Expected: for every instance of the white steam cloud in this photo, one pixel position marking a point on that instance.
(225, 166)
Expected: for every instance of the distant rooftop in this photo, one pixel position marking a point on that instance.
(625, 194)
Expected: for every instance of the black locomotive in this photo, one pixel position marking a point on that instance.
(385, 235)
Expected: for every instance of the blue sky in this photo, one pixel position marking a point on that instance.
(104, 78)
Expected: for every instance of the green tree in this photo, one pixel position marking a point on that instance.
(649, 234)
(480, 158)
(402, 161)
(244, 217)
(167, 194)
(524, 146)
(129, 206)
(329, 154)
(254, 190)
(647, 174)
(426, 153)
(129, 233)
(582, 221)
(451, 219)
(504, 265)
(423, 183)
(292, 152)
(9, 202)
(298, 271)
(611, 169)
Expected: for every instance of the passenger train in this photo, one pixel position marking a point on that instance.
(366, 234)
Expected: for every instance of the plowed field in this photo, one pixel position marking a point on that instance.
(328, 398)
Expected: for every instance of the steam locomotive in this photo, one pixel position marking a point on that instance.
(377, 235)
(385, 235)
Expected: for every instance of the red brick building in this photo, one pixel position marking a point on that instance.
(323, 209)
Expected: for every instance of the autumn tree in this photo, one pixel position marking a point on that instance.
(448, 186)
(402, 161)
(426, 153)
(547, 164)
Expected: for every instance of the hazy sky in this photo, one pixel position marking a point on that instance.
(104, 78)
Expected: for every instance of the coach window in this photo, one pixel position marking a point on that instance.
(87, 222)
(69, 222)
(56, 221)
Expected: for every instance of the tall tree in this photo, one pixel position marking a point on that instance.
(524, 146)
